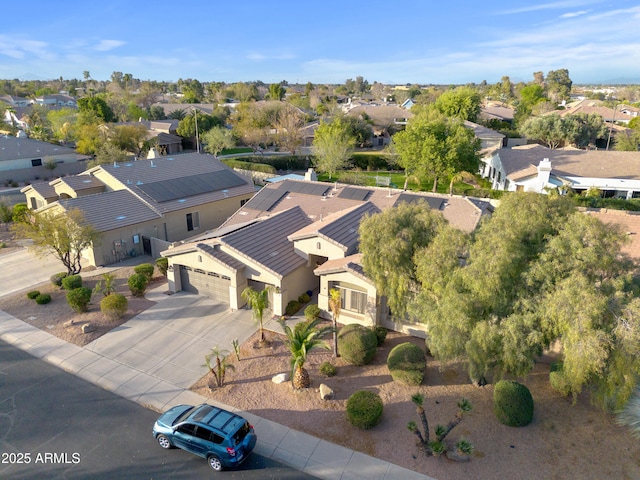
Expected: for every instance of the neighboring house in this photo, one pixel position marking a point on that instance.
(22, 158)
(489, 139)
(536, 168)
(57, 100)
(497, 112)
(13, 101)
(167, 141)
(186, 108)
(386, 120)
(609, 115)
(299, 236)
(408, 103)
(142, 205)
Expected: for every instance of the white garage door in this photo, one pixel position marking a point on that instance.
(209, 284)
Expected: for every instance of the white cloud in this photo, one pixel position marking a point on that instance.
(574, 14)
(106, 45)
(261, 57)
(20, 47)
(549, 6)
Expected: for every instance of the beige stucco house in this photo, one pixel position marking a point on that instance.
(141, 206)
(297, 236)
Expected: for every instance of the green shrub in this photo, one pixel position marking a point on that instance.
(43, 299)
(292, 307)
(301, 326)
(364, 409)
(114, 306)
(558, 380)
(312, 312)
(137, 284)
(72, 282)
(512, 403)
(20, 211)
(381, 334)
(33, 294)
(328, 369)
(367, 161)
(79, 299)
(163, 265)
(145, 269)
(407, 363)
(256, 167)
(56, 279)
(357, 344)
(304, 298)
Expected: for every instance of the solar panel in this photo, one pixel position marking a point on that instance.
(166, 190)
(305, 187)
(265, 199)
(354, 193)
(433, 202)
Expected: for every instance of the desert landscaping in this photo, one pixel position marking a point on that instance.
(564, 441)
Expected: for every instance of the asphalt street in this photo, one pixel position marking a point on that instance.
(55, 425)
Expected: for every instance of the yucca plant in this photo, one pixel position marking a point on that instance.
(630, 414)
(300, 342)
(219, 369)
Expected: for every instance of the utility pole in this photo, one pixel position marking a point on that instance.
(195, 113)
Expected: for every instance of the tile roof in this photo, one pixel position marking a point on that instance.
(266, 242)
(78, 182)
(123, 209)
(44, 189)
(340, 228)
(630, 223)
(351, 264)
(573, 163)
(14, 148)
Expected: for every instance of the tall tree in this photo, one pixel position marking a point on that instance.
(558, 85)
(130, 138)
(333, 145)
(98, 106)
(65, 234)
(276, 91)
(288, 124)
(583, 129)
(218, 139)
(389, 242)
(462, 102)
(436, 147)
(550, 129)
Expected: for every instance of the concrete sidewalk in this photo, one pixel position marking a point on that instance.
(155, 357)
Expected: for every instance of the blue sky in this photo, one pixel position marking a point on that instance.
(402, 41)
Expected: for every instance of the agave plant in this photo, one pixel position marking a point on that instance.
(630, 414)
(300, 342)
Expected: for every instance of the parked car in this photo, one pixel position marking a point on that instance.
(224, 438)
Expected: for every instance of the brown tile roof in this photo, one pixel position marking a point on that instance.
(79, 182)
(574, 163)
(630, 223)
(44, 189)
(351, 264)
(382, 115)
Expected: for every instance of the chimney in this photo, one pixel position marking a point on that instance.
(153, 153)
(544, 172)
(310, 175)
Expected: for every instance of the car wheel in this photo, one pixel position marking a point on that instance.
(214, 462)
(164, 442)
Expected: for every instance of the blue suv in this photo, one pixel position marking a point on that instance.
(224, 438)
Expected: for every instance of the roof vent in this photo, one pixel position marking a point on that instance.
(121, 217)
(182, 200)
(273, 254)
(115, 164)
(138, 182)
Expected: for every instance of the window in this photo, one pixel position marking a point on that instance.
(243, 201)
(193, 221)
(187, 429)
(352, 300)
(36, 162)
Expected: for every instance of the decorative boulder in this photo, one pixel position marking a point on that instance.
(280, 378)
(325, 392)
(88, 328)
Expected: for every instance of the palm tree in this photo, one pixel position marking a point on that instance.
(258, 301)
(300, 341)
(221, 366)
(335, 305)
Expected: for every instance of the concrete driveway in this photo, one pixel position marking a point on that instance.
(171, 339)
(21, 269)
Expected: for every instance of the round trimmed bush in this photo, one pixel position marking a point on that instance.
(56, 278)
(292, 307)
(312, 312)
(72, 282)
(114, 306)
(43, 299)
(407, 363)
(137, 284)
(33, 294)
(381, 334)
(163, 265)
(364, 409)
(145, 269)
(328, 369)
(512, 403)
(79, 298)
(357, 344)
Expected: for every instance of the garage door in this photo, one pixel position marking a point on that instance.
(209, 284)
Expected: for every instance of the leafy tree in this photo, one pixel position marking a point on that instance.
(558, 85)
(584, 129)
(627, 141)
(549, 129)
(62, 123)
(64, 233)
(156, 112)
(333, 145)
(359, 128)
(129, 138)
(389, 241)
(108, 153)
(218, 139)
(187, 126)
(436, 147)
(98, 106)
(462, 102)
(288, 124)
(300, 341)
(258, 301)
(276, 91)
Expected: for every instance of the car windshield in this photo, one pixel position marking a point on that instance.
(183, 416)
(241, 433)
